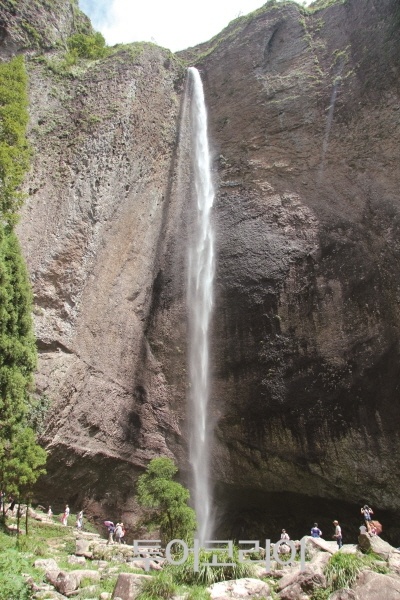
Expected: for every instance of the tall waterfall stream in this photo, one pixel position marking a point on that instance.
(200, 300)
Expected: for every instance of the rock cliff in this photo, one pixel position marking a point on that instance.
(304, 113)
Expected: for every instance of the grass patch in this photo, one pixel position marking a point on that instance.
(208, 574)
(197, 593)
(342, 569)
(159, 587)
(12, 584)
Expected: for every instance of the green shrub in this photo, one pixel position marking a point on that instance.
(31, 545)
(159, 587)
(12, 584)
(168, 500)
(87, 46)
(342, 570)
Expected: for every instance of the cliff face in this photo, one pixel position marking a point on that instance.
(305, 119)
(104, 140)
(304, 113)
(33, 24)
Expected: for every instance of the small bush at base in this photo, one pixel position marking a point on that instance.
(159, 587)
(12, 584)
(342, 570)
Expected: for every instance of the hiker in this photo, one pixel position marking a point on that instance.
(118, 533)
(12, 505)
(366, 511)
(64, 519)
(50, 513)
(338, 534)
(315, 531)
(284, 548)
(123, 533)
(79, 520)
(111, 530)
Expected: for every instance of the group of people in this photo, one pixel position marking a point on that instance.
(337, 535)
(371, 527)
(65, 515)
(117, 531)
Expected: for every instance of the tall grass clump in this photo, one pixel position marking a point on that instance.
(207, 573)
(160, 587)
(342, 570)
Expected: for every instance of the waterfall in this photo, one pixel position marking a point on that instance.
(199, 299)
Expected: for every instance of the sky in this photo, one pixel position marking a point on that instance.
(173, 24)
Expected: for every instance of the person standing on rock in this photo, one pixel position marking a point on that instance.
(284, 548)
(315, 531)
(338, 534)
(366, 511)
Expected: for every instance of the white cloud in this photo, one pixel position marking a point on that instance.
(176, 24)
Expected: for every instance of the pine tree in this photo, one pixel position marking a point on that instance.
(21, 458)
(168, 501)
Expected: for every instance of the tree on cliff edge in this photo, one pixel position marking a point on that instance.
(168, 501)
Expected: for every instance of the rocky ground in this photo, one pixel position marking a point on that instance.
(82, 565)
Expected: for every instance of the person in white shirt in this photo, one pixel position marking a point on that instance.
(338, 534)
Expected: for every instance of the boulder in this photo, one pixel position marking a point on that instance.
(289, 578)
(82, 547)
(260, 570)
(375, 586)
(319, 562)
(239, 588)
(52, 574)
(69, 581)
(48, 564)
(376, 544)
(293, 592)
(137, 564)
(344, 594)
(128, 586)
(394, 562)
(76, 560)
(48, 595)
(313, 544)
(303, 585)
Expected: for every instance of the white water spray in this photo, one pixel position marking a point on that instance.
(200, 291)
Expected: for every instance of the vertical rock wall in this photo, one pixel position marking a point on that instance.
(304, 112)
